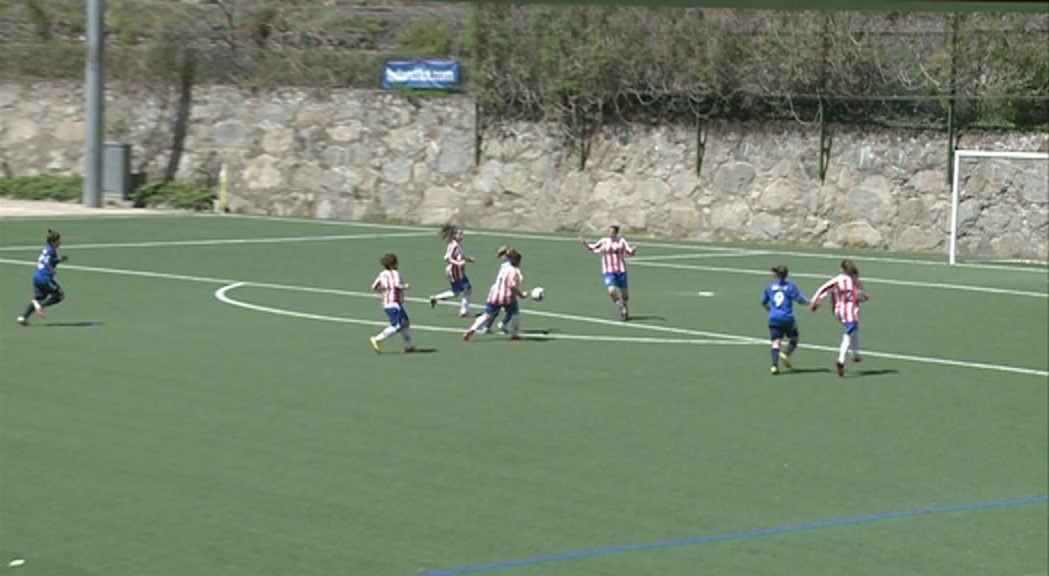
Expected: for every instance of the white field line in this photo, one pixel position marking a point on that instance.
(640, 261)
(690, 256)
(672, 245)
(222, 242)
(866, 279)
(423, 230)
(730, 338)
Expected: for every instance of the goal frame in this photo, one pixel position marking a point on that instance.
(960, 155)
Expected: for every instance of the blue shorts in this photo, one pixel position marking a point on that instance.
(493, 309)
(398, 316)
(45, 288)
(617, 279)
(778, 331)
(461, 285)
(851, 327)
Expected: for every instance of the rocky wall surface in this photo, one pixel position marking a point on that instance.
(375, 155)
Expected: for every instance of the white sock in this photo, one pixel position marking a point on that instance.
(515, 324)
(619, 303)
(845, 341)
(479, 321)
(407, 334)
(856, 343)
(464, 306)
(386, 333)
(447, 294)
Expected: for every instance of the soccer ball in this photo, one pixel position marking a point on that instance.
(538, 293)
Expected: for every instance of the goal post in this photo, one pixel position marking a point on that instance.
(956, 183)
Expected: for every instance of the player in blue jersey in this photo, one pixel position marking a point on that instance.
(46, 291)
(779, 299)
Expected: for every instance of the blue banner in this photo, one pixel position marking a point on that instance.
(440, 74)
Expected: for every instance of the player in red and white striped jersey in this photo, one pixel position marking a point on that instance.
(392, 287)
(455, 260)
(503, 295)
(846, 293)
(614, 249)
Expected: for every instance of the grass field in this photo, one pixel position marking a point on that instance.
(206, 402)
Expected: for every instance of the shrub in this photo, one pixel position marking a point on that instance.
(66, 188)
(174, 194)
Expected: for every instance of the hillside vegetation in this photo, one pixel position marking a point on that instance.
(581, 65)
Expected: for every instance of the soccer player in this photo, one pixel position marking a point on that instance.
(455, 270)
(46, 291)
(392, 287)
(846, 292)
(614, 249)
(503, 295)
(501, 253)
(779, 299)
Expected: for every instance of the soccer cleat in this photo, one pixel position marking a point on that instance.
(624, 314)
(376, 345)
(775, 370)
(515, 337)
(785, 359)
(433, 301)
(468, 335)
(841, 369)
(410, 349)
(502, 328)
(21, 320)
(465, 314)
(39, 309)
(857, 358)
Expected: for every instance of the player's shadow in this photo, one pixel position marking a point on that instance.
(420, 350)
(634, 318)
(80, 324)
(882, 372)
(799, 371)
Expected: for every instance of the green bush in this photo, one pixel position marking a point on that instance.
(66, 188)
(179, 195)
(182, 195)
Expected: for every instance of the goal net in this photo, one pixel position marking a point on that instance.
(1000, 207)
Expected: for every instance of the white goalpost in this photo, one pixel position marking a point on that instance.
(1039, 176)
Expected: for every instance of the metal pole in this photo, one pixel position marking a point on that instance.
(94, 87)
(955, 198)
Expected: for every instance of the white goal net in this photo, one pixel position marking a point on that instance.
(1000, 207)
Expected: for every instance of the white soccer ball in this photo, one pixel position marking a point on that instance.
(538, 293)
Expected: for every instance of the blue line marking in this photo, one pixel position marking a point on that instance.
(785, 529)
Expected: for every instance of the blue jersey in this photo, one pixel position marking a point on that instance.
(45, 264)
(780, 297)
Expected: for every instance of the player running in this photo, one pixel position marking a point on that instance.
(779, 299)
(503, 295)
(614, 249)
(46, 291)
(455, 270)
(392, 287)
(846, 292)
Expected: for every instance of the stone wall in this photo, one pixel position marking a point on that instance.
(373, 155)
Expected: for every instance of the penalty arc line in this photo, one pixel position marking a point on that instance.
(722, 338)
(222, 294)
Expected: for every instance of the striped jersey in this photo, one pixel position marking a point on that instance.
(613, 253)
(455, 272)
(502, 291)
(389, 283)
(845, 294)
